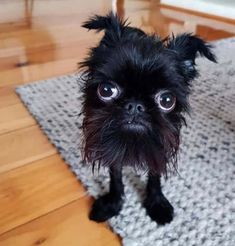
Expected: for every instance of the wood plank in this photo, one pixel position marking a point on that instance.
(50, 13)
(8, 96)
(43, 52)
(22, 147)
(36, 38)
(66, 226)
(33, 190)
(15, 117)
(35, 72)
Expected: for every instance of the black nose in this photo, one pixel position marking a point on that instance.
(134, 108)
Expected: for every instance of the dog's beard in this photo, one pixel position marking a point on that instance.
(106, 143)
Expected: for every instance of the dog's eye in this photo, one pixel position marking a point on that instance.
(165, 100)
(107, 91)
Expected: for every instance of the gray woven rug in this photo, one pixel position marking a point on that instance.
(204, 193)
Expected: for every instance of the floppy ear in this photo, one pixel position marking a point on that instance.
(187, 46)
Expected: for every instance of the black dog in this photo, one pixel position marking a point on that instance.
(135, 93)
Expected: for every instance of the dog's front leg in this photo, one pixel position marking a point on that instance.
(156, 204)
(110, 204)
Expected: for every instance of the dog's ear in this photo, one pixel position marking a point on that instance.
(187, 46)
(111, 23)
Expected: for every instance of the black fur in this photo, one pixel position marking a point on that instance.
(140, 65)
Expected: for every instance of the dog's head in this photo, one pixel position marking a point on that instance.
(135, 93)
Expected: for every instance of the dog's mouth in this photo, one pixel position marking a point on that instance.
(134, 125)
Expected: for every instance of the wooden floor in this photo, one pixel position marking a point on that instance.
(41, 202)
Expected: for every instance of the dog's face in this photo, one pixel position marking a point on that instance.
(136, 90)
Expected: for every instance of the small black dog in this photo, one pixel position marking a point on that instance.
(135, 93)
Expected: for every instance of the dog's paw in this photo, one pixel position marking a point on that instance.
(159, 209)
(105, 207)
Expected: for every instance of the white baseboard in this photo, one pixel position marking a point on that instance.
(223, 8)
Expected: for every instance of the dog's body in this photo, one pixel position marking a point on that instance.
(135, 93)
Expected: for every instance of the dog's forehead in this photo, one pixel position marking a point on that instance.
(134, 67)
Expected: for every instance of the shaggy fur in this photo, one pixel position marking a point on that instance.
(140, 66)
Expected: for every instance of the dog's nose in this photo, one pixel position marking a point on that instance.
(134, 108)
